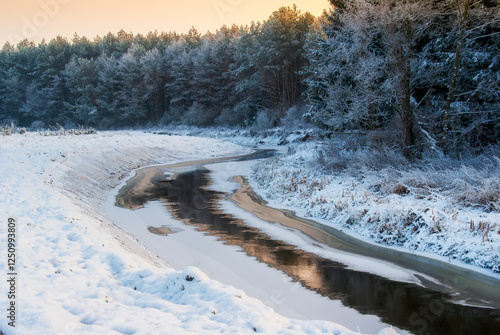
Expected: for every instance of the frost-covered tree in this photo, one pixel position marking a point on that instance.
(348, 73)
(131, 94)
(12, 95)
(472, 110)
(84, 47)
(280, 56)
(154, 81)
(213, 82)
(81, 76)
(19, 68)
(34, 107)
(386, 70)
(249, 89)
(350, 86)
(383, 69)
(179, 86)
(108, 84)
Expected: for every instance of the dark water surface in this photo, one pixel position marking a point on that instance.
(407, 306)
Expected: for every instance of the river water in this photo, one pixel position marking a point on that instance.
(216, 229)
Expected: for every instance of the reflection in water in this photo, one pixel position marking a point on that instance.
(407, 306)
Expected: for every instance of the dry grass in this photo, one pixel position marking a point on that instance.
(472, 182)
(60, 131)
(400, 189)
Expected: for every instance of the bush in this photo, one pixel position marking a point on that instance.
(470, 182)
(264, 120)
(355, 158)
(197, 115)
(294, 118)
(8, 130)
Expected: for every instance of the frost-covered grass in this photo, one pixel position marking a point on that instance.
(8, 130)
(79, 274)
(450, 208)
(243, 136)
(60, 131)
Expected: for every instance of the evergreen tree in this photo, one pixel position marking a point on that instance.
(280, 57)
(131, 93)
(154, 82)
(12, 95)
(81, 76)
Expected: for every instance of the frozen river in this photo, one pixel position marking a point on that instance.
(204, 214)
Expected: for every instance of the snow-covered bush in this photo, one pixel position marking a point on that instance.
(294, 118)
(264, 120)
(197, 115)
(354, 157)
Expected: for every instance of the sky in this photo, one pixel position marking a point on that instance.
(38, 19)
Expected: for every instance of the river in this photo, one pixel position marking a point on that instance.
(205, 214)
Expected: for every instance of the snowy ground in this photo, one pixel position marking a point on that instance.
(405, 209)
(78, 274)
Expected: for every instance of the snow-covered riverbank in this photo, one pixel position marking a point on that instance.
(408, 209)
(450, 212)
(78, 274)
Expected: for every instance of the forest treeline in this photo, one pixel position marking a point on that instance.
(417, 75)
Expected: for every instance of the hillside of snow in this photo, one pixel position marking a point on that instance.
(79, 274)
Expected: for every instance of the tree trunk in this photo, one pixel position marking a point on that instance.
(403, 54)
(463, 9)
(407, 114)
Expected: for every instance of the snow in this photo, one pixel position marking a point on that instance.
(79, 274)
(433, 223)
(229, 265)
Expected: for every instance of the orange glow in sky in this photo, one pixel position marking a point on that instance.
(38, 19)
